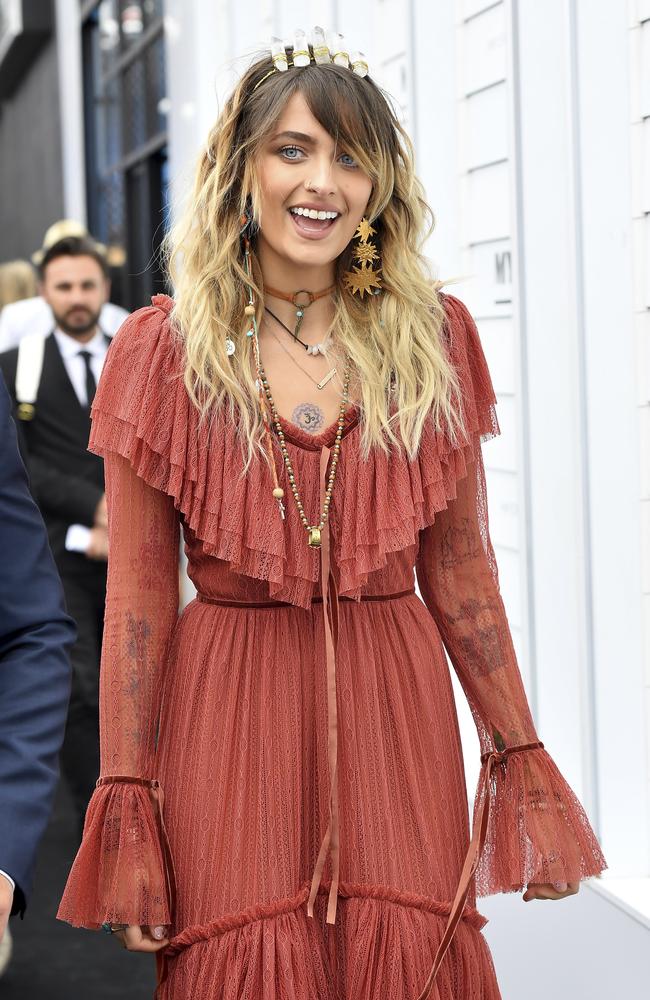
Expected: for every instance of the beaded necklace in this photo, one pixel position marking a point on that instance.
(266, 397)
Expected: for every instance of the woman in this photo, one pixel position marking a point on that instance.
(320, 445)
(17, 282)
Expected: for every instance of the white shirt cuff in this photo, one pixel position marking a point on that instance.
(9, 879)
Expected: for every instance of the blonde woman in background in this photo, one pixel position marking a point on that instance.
(309, 409)
(17, 282)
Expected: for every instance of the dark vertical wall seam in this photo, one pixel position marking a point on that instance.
(31, 178)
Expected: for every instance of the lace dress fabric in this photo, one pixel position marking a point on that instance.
(232, 708)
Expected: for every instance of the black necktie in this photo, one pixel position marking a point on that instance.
(91, 385)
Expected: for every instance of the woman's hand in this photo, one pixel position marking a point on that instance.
(148, 939)
(550, 890)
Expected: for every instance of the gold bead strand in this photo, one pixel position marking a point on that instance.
(314, 530)
(278, 492)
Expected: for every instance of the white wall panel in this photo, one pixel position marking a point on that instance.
(642, 202)
(502, 453)
(436, 126)
(69, 61)
(504, 509)
(470, 8)
(634, 55)
(394, 75)
(486, 204)
(484, 118)
(646, 637)
(645, 69)
(359, 23)
(391, 24)
(646, 261)
(497, 340)
(289, 15)
(642, 330)
(645, 545)
(490, 267)
(639, 260)
(484, 44)
(644, 452)
(638, 163)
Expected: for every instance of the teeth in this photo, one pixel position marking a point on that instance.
(312, 213)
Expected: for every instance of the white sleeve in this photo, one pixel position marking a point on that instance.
(9, 879)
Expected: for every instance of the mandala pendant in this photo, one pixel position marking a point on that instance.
(230, 346)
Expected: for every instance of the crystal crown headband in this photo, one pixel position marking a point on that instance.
(326, 47)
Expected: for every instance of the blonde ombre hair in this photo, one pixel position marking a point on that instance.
(17, 282)
(392, 339)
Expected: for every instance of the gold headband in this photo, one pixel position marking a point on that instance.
(321, 52)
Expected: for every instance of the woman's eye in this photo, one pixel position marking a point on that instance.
(289, 152)
(351, 162)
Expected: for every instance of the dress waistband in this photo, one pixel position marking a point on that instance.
(224, 602)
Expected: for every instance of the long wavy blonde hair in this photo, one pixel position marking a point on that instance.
(393, 340)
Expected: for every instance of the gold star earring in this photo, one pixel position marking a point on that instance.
(365, 277)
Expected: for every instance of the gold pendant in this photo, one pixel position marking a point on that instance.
(314, 537)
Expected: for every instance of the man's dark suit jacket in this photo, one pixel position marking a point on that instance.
(67, 481)
(35, 636)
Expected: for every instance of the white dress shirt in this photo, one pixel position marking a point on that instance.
(8, 878)
(75, 366)
(78, 535)
(35, 316)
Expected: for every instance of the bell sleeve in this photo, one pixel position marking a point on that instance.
(536, 829)
(123, 871)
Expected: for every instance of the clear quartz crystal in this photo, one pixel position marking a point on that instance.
(319, 44)
(279, 55)
(300, 45)
(339, 50)
(359, 64)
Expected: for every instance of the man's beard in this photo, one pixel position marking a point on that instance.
(76, 321)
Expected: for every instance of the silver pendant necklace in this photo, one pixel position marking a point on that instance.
(311, 349)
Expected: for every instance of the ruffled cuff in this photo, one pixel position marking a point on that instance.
(537, 830)
(123, 871)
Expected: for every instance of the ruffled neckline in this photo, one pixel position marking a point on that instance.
(292, 432)
(142, 411)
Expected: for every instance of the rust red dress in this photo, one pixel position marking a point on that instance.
(313, 842)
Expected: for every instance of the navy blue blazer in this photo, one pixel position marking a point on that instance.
(35, 637)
